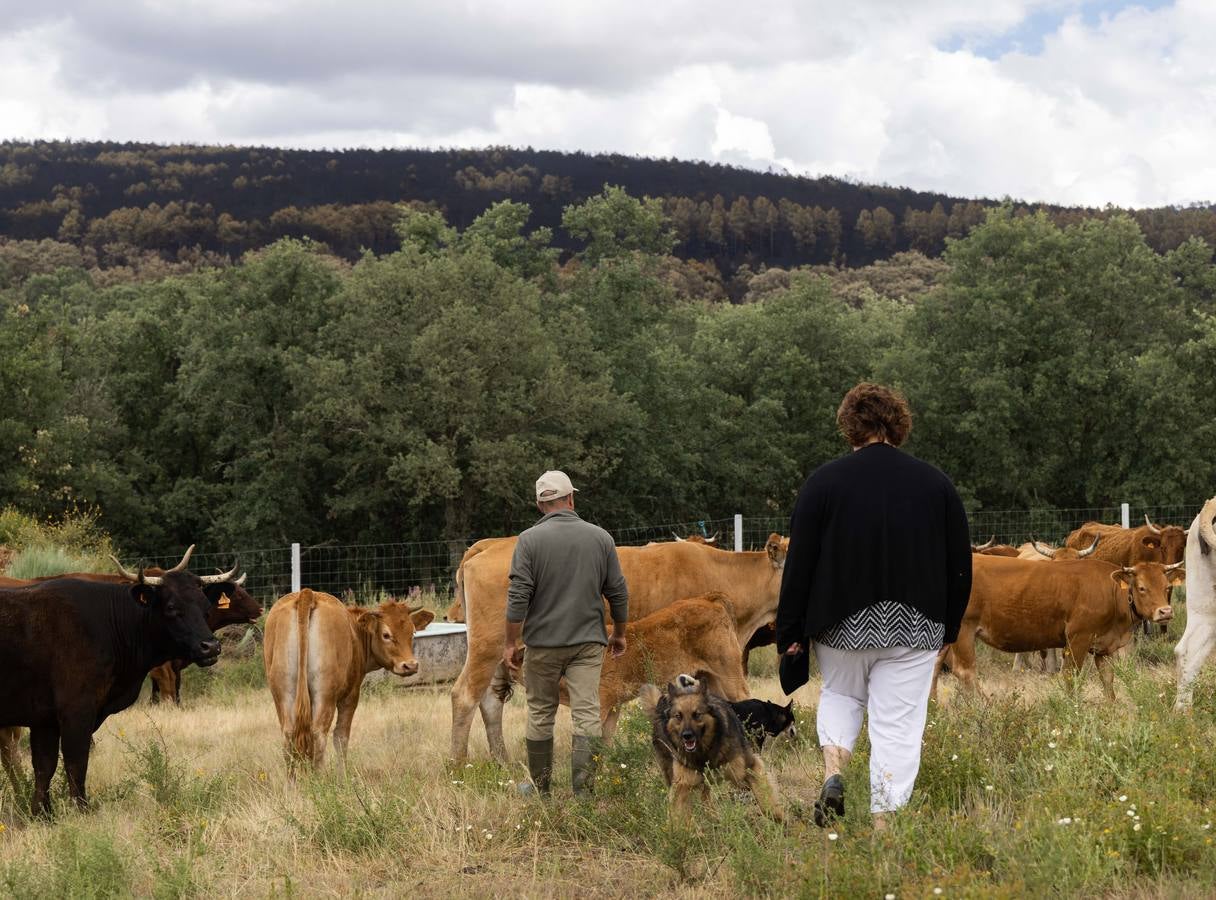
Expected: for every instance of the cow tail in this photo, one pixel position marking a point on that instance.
(301, 736)
(650, 696)
(458, 596)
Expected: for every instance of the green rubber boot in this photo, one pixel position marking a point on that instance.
(540, 767)
(583, 755)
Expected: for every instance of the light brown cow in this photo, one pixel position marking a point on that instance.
(318, 651)
(694, 635)
(456, 611)
(1128, 546)
(992, 548)
(1087, 605)
(657, 576)
(1049, 660)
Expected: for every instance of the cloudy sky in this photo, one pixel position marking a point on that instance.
(1066, 101)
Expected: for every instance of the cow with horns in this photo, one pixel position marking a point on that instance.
(73, 653)
(1128, 546)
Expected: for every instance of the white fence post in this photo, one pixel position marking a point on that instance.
(295, 568)
(1127, 515)
(738, 532)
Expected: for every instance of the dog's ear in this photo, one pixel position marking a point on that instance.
(789, 707)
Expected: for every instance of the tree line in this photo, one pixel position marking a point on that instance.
(145, 206)
(415, 394)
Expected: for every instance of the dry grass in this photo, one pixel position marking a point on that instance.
(196, 802)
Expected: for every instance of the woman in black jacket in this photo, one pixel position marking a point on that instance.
(876, 580)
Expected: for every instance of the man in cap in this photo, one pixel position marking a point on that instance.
(562, 569)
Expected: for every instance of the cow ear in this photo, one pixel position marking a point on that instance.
(422, 618)
(142, 594)
(368, 616)
(1121, 577)
(1150, 541)
(1177, 577)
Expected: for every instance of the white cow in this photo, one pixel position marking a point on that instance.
(1199, 639)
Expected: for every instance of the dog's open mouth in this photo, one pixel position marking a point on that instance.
(690, 744)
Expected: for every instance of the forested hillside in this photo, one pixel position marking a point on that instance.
(142, 206)
(416, 392)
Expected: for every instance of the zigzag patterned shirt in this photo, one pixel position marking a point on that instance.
(885, 624)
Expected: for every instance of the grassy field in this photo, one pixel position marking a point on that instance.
(1041, 789)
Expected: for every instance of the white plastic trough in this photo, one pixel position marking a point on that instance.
(440, 648)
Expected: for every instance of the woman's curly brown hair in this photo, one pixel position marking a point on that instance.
(872, 411)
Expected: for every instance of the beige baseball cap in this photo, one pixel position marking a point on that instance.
(552, 485)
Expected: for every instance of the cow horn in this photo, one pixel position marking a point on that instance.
(1172, 566)
(126, 573)
(223, 576)
(1151, 526)
(1207, 535)
(138, 577)
(241, 581)
(181, 566)
(1081, 554)
(714, 539)
(677, 537)
(991, 541)
(1043, 548)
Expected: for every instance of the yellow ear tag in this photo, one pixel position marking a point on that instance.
(224, 601)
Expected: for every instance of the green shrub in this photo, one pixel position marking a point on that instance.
(184, 802)
(348, 816)
(74, 544)
(79, 863)
(40, 560)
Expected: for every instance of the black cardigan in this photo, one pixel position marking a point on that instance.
(875, 525)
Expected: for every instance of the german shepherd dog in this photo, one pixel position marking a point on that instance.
(692, 731)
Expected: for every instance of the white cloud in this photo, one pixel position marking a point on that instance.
(1090, 108)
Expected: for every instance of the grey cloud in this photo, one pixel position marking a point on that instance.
(608, 47)
(419, 105)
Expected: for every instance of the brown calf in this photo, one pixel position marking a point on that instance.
(318, 651)
(695, 635)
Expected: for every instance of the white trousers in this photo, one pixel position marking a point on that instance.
(892, 684)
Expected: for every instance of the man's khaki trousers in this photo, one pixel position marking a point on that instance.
(543, 669)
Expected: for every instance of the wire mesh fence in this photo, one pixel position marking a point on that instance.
(268, 572)
(429, 566)
(721, 530)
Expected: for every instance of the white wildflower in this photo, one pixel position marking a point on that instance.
(832, 835)
(1123, 798)
(1064, 821)
(1136, 827)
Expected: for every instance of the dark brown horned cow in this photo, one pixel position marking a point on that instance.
(73, 653)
